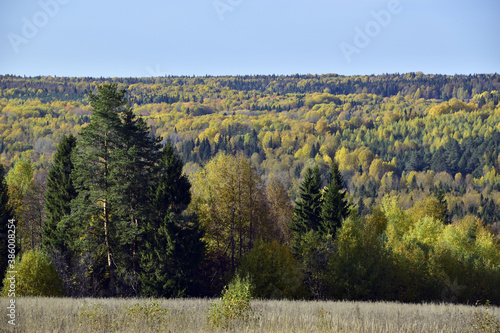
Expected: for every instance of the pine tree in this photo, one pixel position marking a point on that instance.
(114, 167)
(91, 215)
(172, 250)
(5, 215)
(335, 206)
(58, 195)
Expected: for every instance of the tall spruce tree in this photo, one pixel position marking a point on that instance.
(6, 214)
(173, 249)
(136, 160)
(335, 206)
(58, 195)
(307, 211)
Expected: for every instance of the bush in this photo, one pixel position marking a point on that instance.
(234, 304)
(36, 276)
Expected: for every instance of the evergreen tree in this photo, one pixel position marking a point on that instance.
(5, 215)
(453, 155)
(92, 215)
(438, 161)
(171, 192)
(335, 206)
(173, 249)
(135, 163)
(114, 167)
(58, 195)
(307, 210)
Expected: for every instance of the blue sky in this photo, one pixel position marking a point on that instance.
(114, 38)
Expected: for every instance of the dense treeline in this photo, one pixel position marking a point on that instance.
(173, 89)
(387, 191)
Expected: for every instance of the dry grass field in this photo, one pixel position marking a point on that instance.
(190, 315)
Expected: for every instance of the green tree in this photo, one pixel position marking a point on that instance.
(92, 209)
(5, 215)
(114, 167)
(60, 191)
(335, 205)
(453, 155)
(172, 250)
(134, 173)
(307, 211)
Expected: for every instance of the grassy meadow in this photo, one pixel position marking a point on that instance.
(191, 315)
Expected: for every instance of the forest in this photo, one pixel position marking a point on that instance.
(313, 186)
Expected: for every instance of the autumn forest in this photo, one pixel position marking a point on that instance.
(313, 186)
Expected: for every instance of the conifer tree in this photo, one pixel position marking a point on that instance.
(172, 249)
(135, 164)
(335, 206)
(58, 195)
(5, 215)
(93, 163)
(307, 211)
(114, 164)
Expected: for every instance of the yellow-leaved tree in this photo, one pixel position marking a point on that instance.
(229, 198)
(35, 276)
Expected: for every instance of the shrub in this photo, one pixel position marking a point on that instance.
(233, 305)
(36, 276)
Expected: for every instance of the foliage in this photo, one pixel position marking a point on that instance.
(36, 276)
(316, 251)
(234, 305)
(361, 269)
(26, 200)
(229, 198)
(280, 209)
(417, 153)
(273, 271)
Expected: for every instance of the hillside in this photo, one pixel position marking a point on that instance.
(301, 187)
(410, 134)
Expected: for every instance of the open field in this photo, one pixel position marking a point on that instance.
(190, 315)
